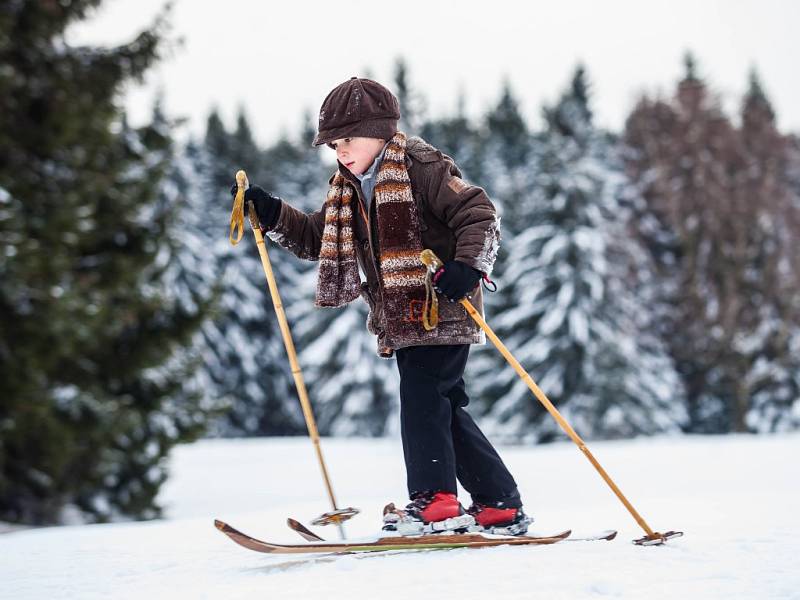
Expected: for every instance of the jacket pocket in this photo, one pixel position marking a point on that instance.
(455, 311)
(451, 311)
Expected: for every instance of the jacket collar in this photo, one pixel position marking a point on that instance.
(352, 178)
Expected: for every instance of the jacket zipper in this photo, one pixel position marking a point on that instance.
(365, 216)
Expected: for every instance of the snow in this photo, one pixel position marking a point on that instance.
(736, 497)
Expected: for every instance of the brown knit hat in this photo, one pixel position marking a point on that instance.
(358, 108)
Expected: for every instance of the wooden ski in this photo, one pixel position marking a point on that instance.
(384, 544)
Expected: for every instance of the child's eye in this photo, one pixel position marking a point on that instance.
(331, 145)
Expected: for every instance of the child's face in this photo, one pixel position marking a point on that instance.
(357, 153)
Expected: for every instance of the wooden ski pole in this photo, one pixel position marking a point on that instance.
(337, 515)
(433, 263)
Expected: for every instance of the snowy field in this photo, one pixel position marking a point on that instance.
(737, 499)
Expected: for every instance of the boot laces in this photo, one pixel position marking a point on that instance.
(476, 507)
(420, 502)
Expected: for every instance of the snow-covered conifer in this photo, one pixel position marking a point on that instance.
(573, 310)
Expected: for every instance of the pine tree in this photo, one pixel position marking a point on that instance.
(91, 366)
(717, 223)
(677, 149)
(769, 392)
(571, 311)
(508, 127)
(412, 105)
(460, 139)
(217, 144)
(509, 148)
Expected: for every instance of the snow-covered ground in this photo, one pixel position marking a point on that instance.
(736, 497)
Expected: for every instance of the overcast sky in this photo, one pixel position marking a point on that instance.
(279, 58)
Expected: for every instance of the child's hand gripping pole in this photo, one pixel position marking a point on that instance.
(337, 515)
(433, 264)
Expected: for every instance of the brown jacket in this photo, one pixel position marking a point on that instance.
(457, 222)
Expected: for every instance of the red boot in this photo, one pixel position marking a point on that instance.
(500, 521)
(427, 512)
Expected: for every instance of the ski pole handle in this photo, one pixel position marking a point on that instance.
(239, 209)
(430, 260)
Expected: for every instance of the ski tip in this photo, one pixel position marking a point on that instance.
(221, 525)
(605, 535)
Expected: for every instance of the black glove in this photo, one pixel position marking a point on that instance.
(268, 207)
(456, 279)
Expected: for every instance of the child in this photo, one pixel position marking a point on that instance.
(392, 197)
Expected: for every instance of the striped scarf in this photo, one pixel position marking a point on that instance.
(399, 243)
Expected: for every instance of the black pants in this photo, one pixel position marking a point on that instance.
(441, 442)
